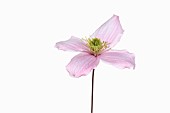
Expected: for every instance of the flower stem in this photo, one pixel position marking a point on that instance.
(92, 91)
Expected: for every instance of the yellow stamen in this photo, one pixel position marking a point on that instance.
(95, 45)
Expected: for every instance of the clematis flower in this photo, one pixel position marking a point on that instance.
(97, 47)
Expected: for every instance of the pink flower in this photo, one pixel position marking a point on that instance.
(97, 47)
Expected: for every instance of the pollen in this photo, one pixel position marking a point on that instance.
(96, 46)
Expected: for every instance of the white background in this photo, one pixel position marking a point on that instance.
(33, 78)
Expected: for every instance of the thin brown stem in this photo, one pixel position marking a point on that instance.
(92, 91)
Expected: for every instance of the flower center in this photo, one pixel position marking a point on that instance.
(96, 46)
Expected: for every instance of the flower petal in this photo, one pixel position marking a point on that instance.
(82, 64)
(121, 59)
(111, 31)
(72, 44)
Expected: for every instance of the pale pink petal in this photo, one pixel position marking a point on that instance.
(121, 59)
(111, 31)
(82, 64)
(72, 44)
